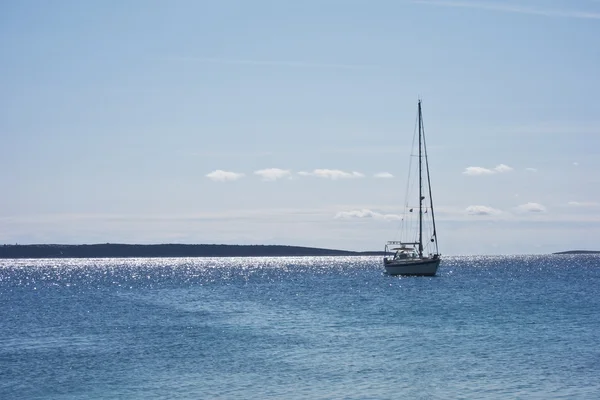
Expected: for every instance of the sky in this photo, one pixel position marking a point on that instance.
(291, 122)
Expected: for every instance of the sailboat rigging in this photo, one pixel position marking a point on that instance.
(409, 254)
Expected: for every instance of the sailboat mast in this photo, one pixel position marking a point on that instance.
(420, 188)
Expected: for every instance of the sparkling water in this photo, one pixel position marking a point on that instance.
(299, 328)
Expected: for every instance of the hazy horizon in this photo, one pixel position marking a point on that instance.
(285, 245)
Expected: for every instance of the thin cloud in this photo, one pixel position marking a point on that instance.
(231, 154)
(366, 213)
(474, 171)
(272, 174)
(366, 149)
(279, 63)
(584, 204)
(552, 128)
(509, 8)
(532, 208)
(482, 210)
(333, 174)
(383, 175)
(531, 169)
(224, 176)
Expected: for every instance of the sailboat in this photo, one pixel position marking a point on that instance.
(410, 255)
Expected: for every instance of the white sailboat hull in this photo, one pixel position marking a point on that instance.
(419, 267)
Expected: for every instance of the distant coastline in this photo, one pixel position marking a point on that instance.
(113, 250)
(578, 252)
(116, 250)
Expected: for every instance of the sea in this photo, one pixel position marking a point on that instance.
(486, 327)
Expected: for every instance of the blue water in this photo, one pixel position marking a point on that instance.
(299, 328)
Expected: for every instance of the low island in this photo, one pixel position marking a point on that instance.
(578, 252)
(113, 250)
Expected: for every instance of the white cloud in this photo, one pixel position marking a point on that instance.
(332, 174)
(503, 168)
(482, 210)
(477, 171)
(532, 207)
(584, 203)
(486, 171)
(383, 175)
(272, 174)
(223, 176)
(366, 213)
(531, 169)
(576, 164)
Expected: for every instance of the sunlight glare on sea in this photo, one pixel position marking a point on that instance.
(299, 327)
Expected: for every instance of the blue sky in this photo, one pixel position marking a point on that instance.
(266, 122)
